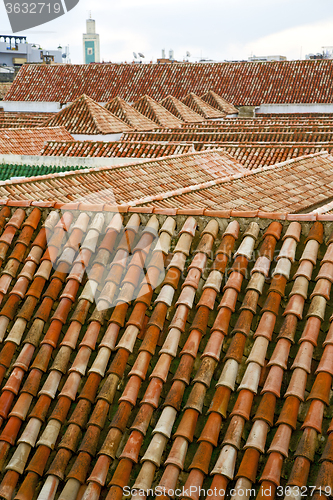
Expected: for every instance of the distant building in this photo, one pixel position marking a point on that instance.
(91, 52)
(15, 51)
(267, 58)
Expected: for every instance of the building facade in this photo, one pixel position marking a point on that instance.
(15, 51)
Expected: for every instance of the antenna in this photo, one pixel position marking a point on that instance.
(188, 54)
(135, 55)
(141, 55)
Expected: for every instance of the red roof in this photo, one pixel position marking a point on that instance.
(125, 183)
(84, 116)
(130, 149)
(146, 351)
(218, 102)
(157, 113)
(129, 115)
(24, 141)
(23, 120)
(260, 154)
(298, 185)
(181, 111)
(243, 83)
(199, 181)
(201, 107)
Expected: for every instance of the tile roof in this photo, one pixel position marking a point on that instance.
(260, 154)
(200, 181)
(201, 107)
(131, 149)
(129, 115)
(180, 110)
(125, 183)
(239, 133)
(203, 358)
(84, 116)
(243, 83)
(19, 141)
(298, 185)
(154, 111)
(23, 120)
(218, 102)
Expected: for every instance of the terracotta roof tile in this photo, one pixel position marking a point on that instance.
(106, 184)
(129, 115)
(23, 120)
(154, 111)
(280, 82)
(180, 110)
(122, 149)
(99, 393)
(84, 116)
(201, 107)
(19, 141)
(219, 103)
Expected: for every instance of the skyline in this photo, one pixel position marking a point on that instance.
(220, 31)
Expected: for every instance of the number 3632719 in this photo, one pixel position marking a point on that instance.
(32, 8)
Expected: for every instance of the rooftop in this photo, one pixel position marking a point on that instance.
(129, 115)
(84, 116)
(180, 110)
(129, 149)
(19, 141)
(244, 83)
(23, 120)
(201, 107)
(143, 350)
(157, 113)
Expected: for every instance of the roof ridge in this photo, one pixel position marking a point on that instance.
(207, 212)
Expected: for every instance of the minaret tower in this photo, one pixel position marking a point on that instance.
(91, 43)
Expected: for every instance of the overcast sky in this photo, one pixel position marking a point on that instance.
(215, 29)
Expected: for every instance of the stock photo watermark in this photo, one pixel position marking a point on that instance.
(24, 14)
(280, 491)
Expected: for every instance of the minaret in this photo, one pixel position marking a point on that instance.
(91, 43)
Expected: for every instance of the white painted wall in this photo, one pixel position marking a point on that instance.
(28, 106)
(65, 161)
(295, 108)
(97, 137)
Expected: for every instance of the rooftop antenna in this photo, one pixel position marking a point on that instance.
(90, 14)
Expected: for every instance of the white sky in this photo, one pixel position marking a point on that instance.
(216, 29)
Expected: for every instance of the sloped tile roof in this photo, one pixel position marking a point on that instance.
(298, 185)
(157, 113)
(19, 141)
(130, 149)
(122, 184)
(260, 154)
(163, 352)
(199, 181)
(201, 107)
(242, 84)
(218, 102)
(239, 133)
(180, 110)
(23, 120)
(84, 116)
(129, 115)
